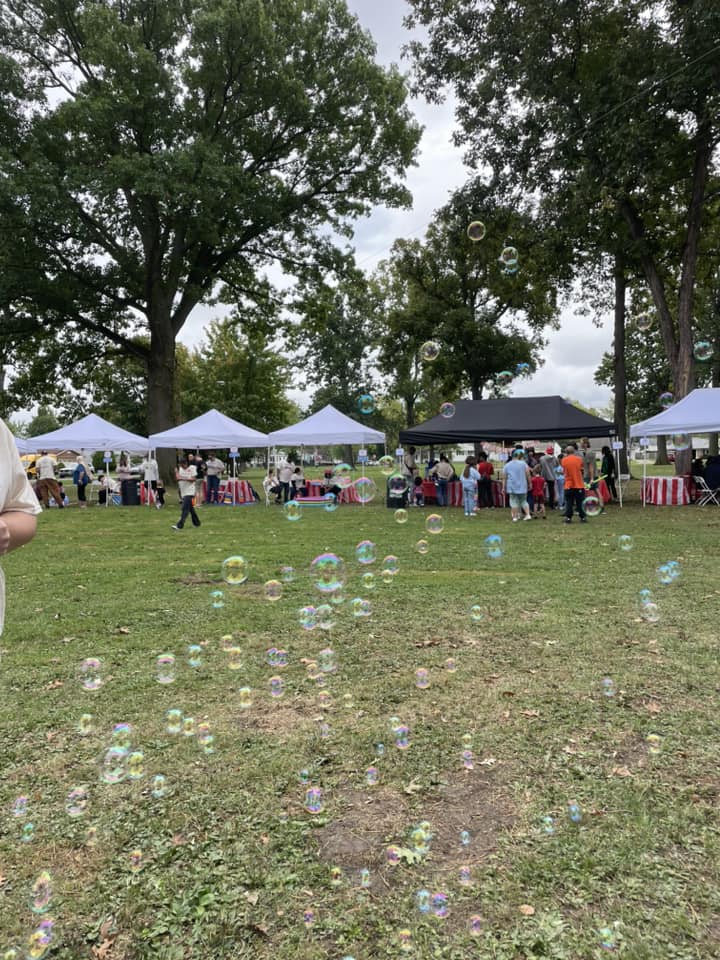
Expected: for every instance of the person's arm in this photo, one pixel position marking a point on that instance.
(16, 529)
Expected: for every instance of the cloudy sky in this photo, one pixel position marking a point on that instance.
(574, 351)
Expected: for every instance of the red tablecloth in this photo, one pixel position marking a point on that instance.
(454, 490)
(315, 488)
(239, 490)
(604, 492)
(668, 491)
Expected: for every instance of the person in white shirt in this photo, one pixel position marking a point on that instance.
(18, 505)
(151, 475)
(214, 469)
(186, 475)
(47, 486)
(285, 472)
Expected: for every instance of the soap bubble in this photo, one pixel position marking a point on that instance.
(287, 574)
(361, 608)
(451, 665)
(76, 802)
(608, 940)
(113, 766)
(654, 743)
(364, 878)
(405, 939)
(625, 542)
(504, 378)
(668, 572)
(391, 565)
(365, 552)
(28, 833)
(608, 687)
(521, 368)
(429, 351)
(422, 678)
(277, 688)
(90, 674)
(325, 616)
(475, 926)
(494, 546)
(465, 838)
(392, 855)
(368, 580)
(477, 613)
(548, 825)
(465, 875)
(447, 410)
(136, 765)
(397, 484)
(365, 489)
(122, 736)
(366, 404)
(245, 697)
(401, 515)
(650, 612)
(328, 572)
(509, 255)
(235, 570)
(703, 350)
(468, 759)
(234, 658)
(331, 503)
(217, 599)
(422, 900)
(387, 576)
(292, 510)
(439, 905)
(173, 720)
(422, 547)
(273, 590)
(342, 475)
(188, 727)
(159, 786)
(476, 231)
(402, 737)
(314, 800)
(666, 399)
(372, 776)
(308, 917)
(434, 523)
(40, 940)
(165, 668)
(644, 322)
(85, 725)
(194, 652)
(387, 465)
(137, 859)
(681, 441)
(327, 661)
(380, 749)
(592, 505)
(574, 811)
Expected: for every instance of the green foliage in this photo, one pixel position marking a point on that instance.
(43, 422)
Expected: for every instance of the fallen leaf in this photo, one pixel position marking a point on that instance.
(3, 880)
(653, 707)
(54, 684)
(107, 928)
(123, 630)
(488, 762)
(621, 772)
(67, 639)
(508, 693)
(102, 950)
(252, 898)
(532, 714)
(526, 910)
(264, 839)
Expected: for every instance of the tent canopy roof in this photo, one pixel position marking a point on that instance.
(539, 418)
(89, 433)
(209, 431)
(698, 412)
(327, 426)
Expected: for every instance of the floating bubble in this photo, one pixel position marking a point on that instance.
(504, 378)
(188, 727)
(401, 515)
(468, 760)
(654, 743)
(608, 939)
(233, 657)
(313, 670)
(204, 735)
(368, 580)
(159, 786)
(681, 441)
(165, 668)
(366, 404)
(19, 807)
(307, 618)
(477, 613)
(325, 616)
(422, 678)
(365, 552)
(509, 256)
(90, 674)
(287, 574)
(173, 720)
(666, 399)
(387, 576)
(41, 893)
(194, 654)
(465, 875)
(314, 800)
(245, 698)
(625, 542)
(372, 776)
(331, 503)
(402, 737)
(476, 231)
(574, 811)
(327, 660)
(447, 410)
(392, 855)
(494, 546)
(360, 607)
(467, 740)
(327, 572)
(308, 917)
(592, 505)
(85, 725)
(439, 905)
(364, 879)
(521, 368)
(379, 749)
(76, 802)
(394, 723)
(429, 351)
(475, 926)
(136, 860)
(304, 776)
(608, 687)
(387, 465)
(666, 573)
(136, 765)
(365, 489)
(292, 510)
(405, 939)
(422, 901)
(217, 599)
(650, 612)
(434, 523)
(235, 570)
(277, 688)
(465, 838)
(114, 766)
(548, 825)
(336, 876)
(644, 322)
(703, 350)
(451, 665)
(122, 735)
(273, 590)
(342, 475)
(397, 484)
(28, 833)
(324, 731)
(40, 940)
(420, 839)
(391, 565)
(11, 953)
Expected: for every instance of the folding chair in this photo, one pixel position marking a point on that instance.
(705, 493)
(268, 496)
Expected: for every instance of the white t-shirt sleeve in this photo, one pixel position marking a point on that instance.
(15, 490)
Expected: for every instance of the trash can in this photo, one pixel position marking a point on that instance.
(130, 493)
(397, 492)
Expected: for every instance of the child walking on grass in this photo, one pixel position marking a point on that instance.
(469, 481)
(537, 485)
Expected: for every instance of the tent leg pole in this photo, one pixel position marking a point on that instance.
(645, 450)
(617, 471)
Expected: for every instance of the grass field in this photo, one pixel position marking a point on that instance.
(229, 863)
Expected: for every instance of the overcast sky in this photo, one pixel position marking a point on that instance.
(575, 350)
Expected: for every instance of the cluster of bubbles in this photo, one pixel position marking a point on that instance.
(509, 261)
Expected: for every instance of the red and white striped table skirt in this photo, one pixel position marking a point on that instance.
(666, 491)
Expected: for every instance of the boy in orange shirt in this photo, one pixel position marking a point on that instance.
(574, 484)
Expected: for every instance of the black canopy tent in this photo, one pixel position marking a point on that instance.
(530, 418)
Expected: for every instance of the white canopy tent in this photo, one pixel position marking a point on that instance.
(698, 412)
(90, 433)
(327, 427)
(211, 431)
(24, 446)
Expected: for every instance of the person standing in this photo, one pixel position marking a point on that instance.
(18, 505)
(469, 480)
(548, 468)
(151, 475)
(285, 472)
(607, 471)
(81, 478)
(186, 474)
(574, 484)
(47, 486)
(516, 483)
(560, 483)
(195, 460)
(537, 485)
(215, 468)
(409, 465)
(589, 465)
(444, 473)
(486, 470)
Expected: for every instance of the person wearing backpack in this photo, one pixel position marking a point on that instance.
(81, 478)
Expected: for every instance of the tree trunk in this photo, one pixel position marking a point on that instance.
(161, 386)
(662, 457)
(619, 375)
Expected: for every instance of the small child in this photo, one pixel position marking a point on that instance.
(418, 498)
(537, 485)
(469, 480)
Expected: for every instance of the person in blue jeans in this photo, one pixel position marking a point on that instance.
(444, 473)
(516, 483)
(469, 480)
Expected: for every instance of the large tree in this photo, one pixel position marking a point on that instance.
(612, 99)
(155, 151)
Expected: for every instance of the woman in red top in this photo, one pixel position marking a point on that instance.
(486, 470)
